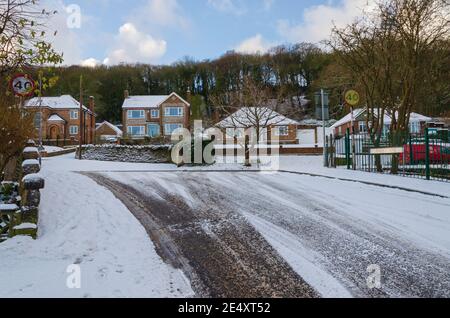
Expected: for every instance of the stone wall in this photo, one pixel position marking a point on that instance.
(21, 216)
(120, 153)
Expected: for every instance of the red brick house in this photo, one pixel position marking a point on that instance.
(154, 115)
(417, 123)
(108, 131)
(60, 119)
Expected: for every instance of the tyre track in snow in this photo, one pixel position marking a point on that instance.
(219, 251)
(347, 245)
(344, 244)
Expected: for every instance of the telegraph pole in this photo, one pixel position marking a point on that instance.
(325, 163)
(80, 130)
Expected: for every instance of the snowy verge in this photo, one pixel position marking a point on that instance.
(82, 223)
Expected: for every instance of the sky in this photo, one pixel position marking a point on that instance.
(92, 32)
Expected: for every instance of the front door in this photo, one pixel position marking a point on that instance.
(54, 132)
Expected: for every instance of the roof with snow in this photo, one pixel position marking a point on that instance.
(414, 118)
(55, 117)
(113, 127)
(148, 101)
(60, 102)
(250, 116)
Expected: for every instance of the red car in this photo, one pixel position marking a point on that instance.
(438, 153)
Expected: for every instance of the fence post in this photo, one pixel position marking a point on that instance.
(411, 151)
(427, 154)
(347, 148)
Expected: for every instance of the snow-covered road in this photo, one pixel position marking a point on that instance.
(330, 231)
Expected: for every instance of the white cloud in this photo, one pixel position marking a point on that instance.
(227, 6)
(132, 45)
(267, 4)
(166, 13)
(318, 21)
(255, 44)
(90, 62)
(67, 40)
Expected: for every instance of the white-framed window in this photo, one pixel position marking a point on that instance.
(235, 132)
(136, 114)
(136, 130)
(173, 111)
(282, 131)
(37, 119)
(170, 128)
(414, 128)
(74, 114)
(153, 130)
(73, 130)
(362, 127)
(154, 113)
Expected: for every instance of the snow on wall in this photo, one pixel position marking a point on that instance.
(136, 154)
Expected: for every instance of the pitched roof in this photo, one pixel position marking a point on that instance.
(59, 102)
(249, 116)
(348, 118)
(414, 117)
(56, 117)
(113, 127)
(148, 101)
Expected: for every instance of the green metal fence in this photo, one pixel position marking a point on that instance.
(425, 155)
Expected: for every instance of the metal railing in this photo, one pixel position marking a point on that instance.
(425, 155)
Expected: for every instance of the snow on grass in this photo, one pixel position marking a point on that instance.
(82, 223)
(314, 164)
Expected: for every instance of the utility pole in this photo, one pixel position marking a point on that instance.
(325, 163)
(41, 147)
(80, 130)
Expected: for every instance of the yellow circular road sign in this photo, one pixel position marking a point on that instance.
(352, 97)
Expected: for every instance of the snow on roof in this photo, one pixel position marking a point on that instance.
(113, 127)
(60, 102)
(348, 118)
(414, 117)
(148, 101)
(55, 117)
(248, 117)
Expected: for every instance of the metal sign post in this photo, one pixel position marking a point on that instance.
(325, 163)
(322, 111)
(352, 99)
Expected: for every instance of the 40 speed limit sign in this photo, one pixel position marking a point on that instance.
(22, 85)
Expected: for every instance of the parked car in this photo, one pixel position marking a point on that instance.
(438, 153)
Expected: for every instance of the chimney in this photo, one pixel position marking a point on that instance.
(92, 103)
(188, 95)
(126, 94)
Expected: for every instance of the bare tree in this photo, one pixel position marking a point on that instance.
(23, 35)
(252, 108)
(392, 52)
